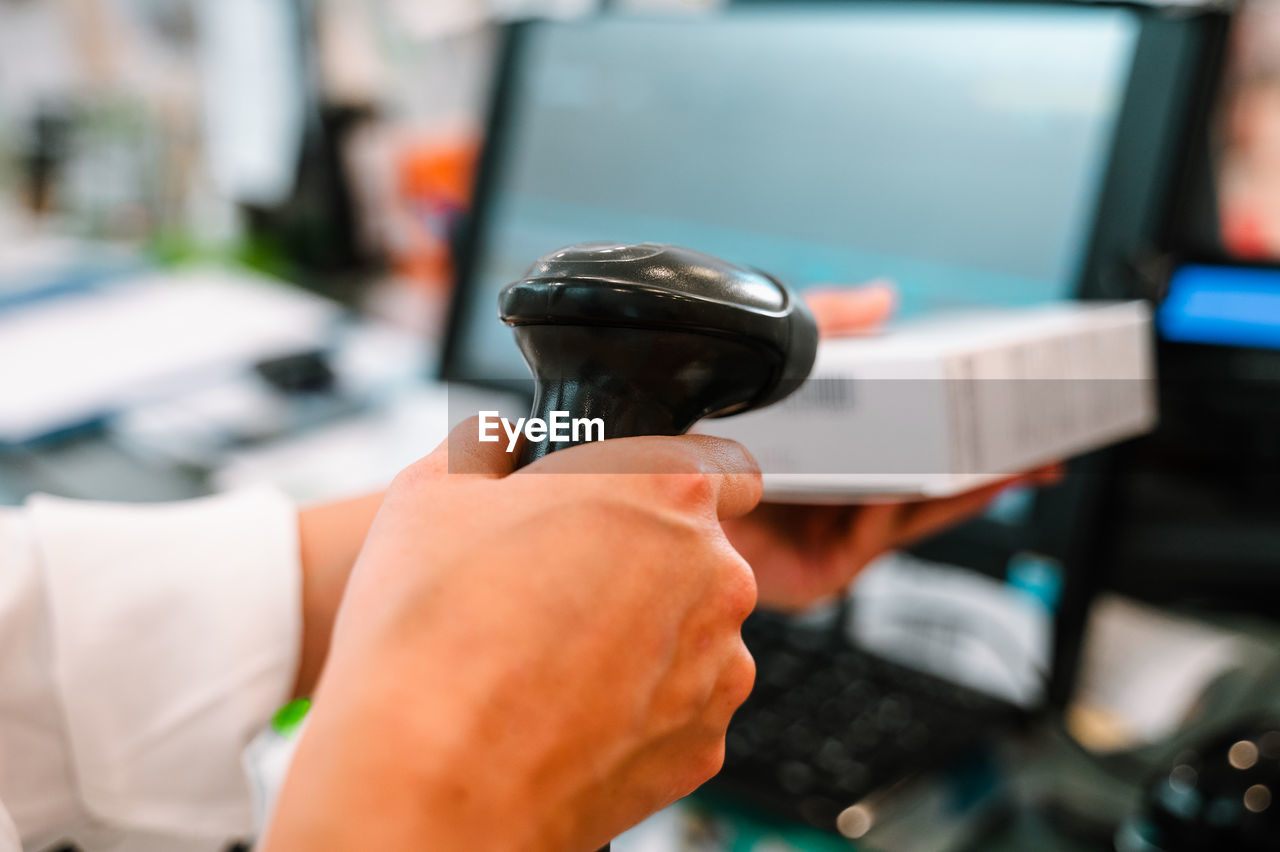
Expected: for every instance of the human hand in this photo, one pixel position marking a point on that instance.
(533, 661)
(802, 554)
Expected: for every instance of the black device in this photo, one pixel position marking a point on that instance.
(652, 338)
(1191, 508)
(946, 168)
(1194, 505)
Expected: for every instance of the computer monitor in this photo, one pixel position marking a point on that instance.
(977, 153)
(963, 150)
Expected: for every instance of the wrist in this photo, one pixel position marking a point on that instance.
(375, 771)
(329, 540)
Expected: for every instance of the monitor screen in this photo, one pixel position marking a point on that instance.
(957, 149)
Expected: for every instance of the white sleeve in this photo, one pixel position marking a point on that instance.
(141, 648)
(8, 833)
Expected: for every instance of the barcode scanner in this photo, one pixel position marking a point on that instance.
(651, 338)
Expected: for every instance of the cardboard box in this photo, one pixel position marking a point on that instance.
(940, 405)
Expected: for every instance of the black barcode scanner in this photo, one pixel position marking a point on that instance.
(651, 338)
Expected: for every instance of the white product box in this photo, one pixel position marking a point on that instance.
(939, 405)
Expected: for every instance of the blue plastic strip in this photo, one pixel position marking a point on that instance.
(1224, 305)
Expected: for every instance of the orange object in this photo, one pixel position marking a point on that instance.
(434, 185)
(1244, 234)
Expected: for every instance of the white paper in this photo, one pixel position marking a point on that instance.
(956, 624)
(64, 362)
(1144, 668)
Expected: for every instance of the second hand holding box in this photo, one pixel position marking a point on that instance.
(940, 405)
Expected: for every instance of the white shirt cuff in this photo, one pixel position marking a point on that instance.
(176, 631)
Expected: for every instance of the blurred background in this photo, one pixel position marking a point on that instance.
(266, 151)
(242, 240)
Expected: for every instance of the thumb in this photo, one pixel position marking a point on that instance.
(464, 452)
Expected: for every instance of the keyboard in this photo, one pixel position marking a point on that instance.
(828, 723)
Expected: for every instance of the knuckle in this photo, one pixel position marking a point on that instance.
(738, 589)
(708, 762)
(740, 676)
(732, 456)
(686, 489)
(701, 765)
(756, 480)
(414, 477)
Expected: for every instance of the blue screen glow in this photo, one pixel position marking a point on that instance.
(1230, 306)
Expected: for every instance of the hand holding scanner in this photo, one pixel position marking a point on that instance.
(652, 338)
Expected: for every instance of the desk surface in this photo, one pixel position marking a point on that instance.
(95, 469)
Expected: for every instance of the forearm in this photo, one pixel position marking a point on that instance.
(371, 779)
(329, 539)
